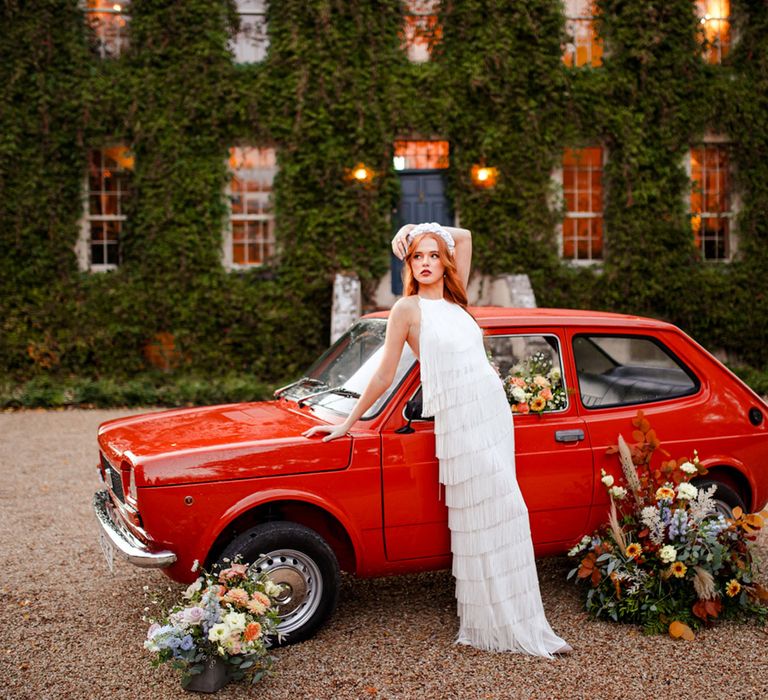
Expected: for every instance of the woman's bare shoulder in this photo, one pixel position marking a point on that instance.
(405, 307)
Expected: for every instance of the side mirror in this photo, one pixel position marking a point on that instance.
(412, 412)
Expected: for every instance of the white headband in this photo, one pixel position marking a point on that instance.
(431, 228)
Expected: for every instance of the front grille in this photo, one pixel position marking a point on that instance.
(113, 478)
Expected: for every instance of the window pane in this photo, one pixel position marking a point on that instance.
(251, 219)
(421, 29)
(251, 42)
(619, 371)
(421, 155)
(715, 20)
(531, 369)
(109, 21)
(585, 48)
(711, 200)
(583, 194)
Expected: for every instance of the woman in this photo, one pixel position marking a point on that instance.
(497, 589)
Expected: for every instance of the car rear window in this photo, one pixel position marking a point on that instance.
(622, 370)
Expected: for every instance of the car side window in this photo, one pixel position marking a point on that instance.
(531, 368)
(625, 370)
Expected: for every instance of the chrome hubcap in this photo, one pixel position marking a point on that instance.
(302, 586)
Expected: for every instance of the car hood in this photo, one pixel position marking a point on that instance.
(217, 443)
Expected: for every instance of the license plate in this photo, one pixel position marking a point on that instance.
(108, 550)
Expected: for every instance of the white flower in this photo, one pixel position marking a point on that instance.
(218, 632)
(617, 492)
(195, 565)
(607, 480)
(554, 375)
(687, 491)
(668, 554)
(581, 544)
(272, 589)
(235, 621)
(193, 588)
(688, 468)
(518, 394)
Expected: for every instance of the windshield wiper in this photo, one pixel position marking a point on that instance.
(333, 390)
(304, 380)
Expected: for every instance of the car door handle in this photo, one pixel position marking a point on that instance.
(569, 435)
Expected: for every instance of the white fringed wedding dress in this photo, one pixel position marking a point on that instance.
(497, 587)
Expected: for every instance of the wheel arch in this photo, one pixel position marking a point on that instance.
(730, 476)
(294, 509)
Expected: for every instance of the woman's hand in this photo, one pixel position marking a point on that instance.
(334, 431)
(400, 243)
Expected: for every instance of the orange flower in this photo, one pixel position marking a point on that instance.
(521, 408)
(252, 631)
(665, 493)
(538, 404)
(678, 569)
(633, 550)
(732, 588)
(546, 394)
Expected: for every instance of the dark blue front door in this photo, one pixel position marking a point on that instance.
(422, 199)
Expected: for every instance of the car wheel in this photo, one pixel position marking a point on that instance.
(726, 499)
(299, 560)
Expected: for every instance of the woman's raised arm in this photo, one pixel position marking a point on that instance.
(462, 237)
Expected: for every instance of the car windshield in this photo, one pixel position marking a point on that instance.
(348, 365)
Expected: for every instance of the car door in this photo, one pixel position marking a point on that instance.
(553, 457)
(619, 372)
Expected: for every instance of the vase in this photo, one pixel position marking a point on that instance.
(214, 676)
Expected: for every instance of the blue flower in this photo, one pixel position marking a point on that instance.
(187, 643)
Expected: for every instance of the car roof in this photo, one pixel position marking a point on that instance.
(496, 316)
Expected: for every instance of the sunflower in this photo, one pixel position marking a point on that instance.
(732, 588)
(678, 569)
(538, 404)
(633, 550)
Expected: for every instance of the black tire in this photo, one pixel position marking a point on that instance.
(726, 499)
(301, 560)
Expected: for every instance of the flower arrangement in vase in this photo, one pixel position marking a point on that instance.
(667, 559)
(220, 631)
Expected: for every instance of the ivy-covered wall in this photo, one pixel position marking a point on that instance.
(335, 89)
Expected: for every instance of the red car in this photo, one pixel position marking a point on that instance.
(191, 487)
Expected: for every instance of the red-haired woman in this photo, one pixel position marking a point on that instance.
(497, 588)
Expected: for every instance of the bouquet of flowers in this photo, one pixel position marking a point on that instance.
(534, 386)
(226, 615)
(667, 559)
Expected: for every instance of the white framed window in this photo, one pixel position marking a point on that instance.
(250, 237)
(715, 20)
(580, 180)
(109, 21)
(107, 187)
(713, 204)
(421, 29)
(251, 42)
(585, 47)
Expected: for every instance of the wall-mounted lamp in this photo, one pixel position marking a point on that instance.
(360, 173)
(483, 176)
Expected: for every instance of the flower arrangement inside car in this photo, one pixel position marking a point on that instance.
(535, 386)
(666, 559)
(220, 631)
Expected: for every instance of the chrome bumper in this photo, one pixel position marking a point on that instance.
(125, 543)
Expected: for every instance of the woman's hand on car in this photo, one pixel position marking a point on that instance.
(334, 431)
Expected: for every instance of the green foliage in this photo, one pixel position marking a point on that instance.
(337, 89)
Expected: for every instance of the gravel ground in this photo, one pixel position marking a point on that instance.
(69, 629)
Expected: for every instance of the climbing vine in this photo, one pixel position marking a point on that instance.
(336, 89)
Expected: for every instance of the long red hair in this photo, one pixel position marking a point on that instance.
(453, 289)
